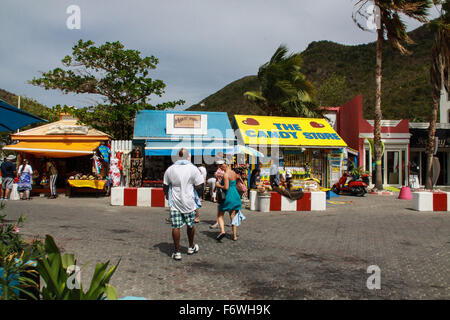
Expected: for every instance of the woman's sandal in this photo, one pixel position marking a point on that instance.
(220, 236)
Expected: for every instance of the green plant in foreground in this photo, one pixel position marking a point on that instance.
(16, 274)
(54, 270)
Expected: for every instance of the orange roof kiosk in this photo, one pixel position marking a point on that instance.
(68, 143)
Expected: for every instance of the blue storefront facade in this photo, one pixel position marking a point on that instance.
(160, 134)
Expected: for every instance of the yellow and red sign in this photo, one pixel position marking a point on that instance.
(287, 131)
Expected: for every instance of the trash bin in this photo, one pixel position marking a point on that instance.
(264, 202)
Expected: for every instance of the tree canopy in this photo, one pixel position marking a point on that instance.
(284, 90)
(119, 76)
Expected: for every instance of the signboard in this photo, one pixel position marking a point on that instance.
(419, 138)
(186, 124)
(187, 121)
(287, 131)
(67, 129)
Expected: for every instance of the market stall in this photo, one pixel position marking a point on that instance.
(158, 136)
(79, 153)
(302, 146)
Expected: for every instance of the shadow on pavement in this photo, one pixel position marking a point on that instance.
(168, 248)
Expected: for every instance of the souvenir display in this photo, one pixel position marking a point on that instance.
(136, 168)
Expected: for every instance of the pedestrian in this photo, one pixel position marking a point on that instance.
(180, 181)
(211, 183)
(274, 173)
(232, 203)
(218, 176)
(25, 172)
(8, 170)
(53, 173)
(240, 184)
(204, 173)
(255, 178)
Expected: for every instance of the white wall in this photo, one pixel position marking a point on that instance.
(444, 107)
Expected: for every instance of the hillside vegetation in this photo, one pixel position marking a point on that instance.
(406, 85)
(28, 105)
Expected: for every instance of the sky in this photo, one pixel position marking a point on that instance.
(202, 45)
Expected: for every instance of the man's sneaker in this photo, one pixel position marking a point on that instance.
(176, 256)
(193, 249)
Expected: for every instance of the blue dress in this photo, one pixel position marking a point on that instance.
(232, 199)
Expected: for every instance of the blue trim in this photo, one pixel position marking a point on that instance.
(194, 152)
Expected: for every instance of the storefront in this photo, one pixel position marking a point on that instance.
(159, 135)
(419, 141)
(73, 148)
(304, 147)
(358, 133)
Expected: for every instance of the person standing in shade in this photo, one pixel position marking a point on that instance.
(8, 169)
(255, 178)
(232, 203)
(25, 172)
(53, 174)
(180, 180)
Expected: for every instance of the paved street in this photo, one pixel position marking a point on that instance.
(288, 255)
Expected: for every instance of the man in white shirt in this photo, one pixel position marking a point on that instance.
(180, 179)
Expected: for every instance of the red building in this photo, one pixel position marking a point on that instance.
(350, 124)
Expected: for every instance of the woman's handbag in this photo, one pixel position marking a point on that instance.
(240, 185)
(220, 195)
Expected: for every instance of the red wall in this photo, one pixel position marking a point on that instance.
(349, 118)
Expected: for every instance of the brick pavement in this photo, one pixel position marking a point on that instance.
(284, 255)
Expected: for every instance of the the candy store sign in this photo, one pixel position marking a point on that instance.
(287, 131)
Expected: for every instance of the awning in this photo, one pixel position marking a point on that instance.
(287, 131)
(55, 149)
(169, 148)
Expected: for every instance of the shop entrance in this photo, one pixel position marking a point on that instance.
(395, 172)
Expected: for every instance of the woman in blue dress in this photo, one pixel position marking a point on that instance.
(232, 202)
(25, 172)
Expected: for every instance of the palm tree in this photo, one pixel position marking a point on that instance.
(439, 70)
(389, 24)
(284, 90)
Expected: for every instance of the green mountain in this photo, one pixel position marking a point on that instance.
(406, 85)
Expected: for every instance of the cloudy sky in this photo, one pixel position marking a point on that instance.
(202, 45)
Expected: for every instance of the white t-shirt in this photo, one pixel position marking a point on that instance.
(203, 172)
(182, 178)
(27, 169)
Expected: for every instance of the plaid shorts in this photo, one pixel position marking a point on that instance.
(180, 219)
(7, 183)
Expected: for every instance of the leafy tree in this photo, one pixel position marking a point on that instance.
(389, 24)
(332, 92)
(439, 70)
(119, 76)
(284, 90)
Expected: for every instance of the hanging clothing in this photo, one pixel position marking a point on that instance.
(119, 158)
(97, 164)
(114, 172)
(104, 151)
